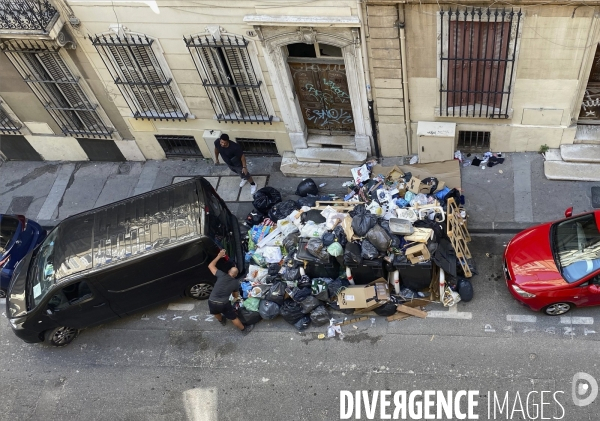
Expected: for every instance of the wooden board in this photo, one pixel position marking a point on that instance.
(412, 311)
(356, 320)
(458, 235)
(338, 205)
(398, 316)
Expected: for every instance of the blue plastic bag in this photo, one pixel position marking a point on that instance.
(440, 195)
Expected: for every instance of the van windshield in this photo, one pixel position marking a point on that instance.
(43, 270)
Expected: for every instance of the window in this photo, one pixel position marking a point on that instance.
(147, 86)
(478, 48)
(260, 147)
(36, 15)
(315, 50)
(229, 78)
(469, 140)
(59, 91)
(7, 124)
(177, 146)
(576, 247)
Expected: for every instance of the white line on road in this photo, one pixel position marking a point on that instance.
(520, 318)
(577, 320)
(450, 314)
(200, 404)
(180, 307)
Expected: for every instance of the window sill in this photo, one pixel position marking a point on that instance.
(156, 116)
(235, 119)
(467, 112)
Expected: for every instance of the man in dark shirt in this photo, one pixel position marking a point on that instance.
(233, 156)
(218, 302)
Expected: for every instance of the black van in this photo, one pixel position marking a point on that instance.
(112, 261)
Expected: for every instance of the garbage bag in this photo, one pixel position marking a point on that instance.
(309, 304)
(368, 250)
(379, 238)
(291, 241)
(254, 218)
(335, 249)
(303, 323)
(300, 293)
(340, 235)
(312, 230)
(352, 254)
(268, 310)
(265, 198)
(465, 289)
(315, 247)
(358, 210)
(246, 288)
(309, 201)
(319, 289)
(282, 210)
(432, 182)
(320, 316)
(304, 282)
(328, 239)
(272, 254)
(333, 287)
(276, 293)
(387, 309)
(306, 187)
(252, 303)
(362, 223)
(291, 311)
(291, 274)
(396, 242)
(313, 215)
(248, 317)
(273, 269)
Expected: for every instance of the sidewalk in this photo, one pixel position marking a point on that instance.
(507, 201)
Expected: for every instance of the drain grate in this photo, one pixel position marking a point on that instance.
(596, 197)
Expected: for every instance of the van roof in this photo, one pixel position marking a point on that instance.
(127, 228)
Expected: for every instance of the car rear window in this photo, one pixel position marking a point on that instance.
(8, 228)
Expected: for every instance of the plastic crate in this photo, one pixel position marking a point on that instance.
(367, 271)
(414, 276)
(315, 268)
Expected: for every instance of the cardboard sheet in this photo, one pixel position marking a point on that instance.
(447, 171)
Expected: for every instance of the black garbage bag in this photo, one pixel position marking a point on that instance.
(265, 198)
(368, 250)
(465, 289)
(379, 238)
(395, 239)
(439, 228)
(306, 187)
(276, 293)
(312, 215)
(299, 293)
(309, 303)
(254, 218)
(309, 201)
(328, 238)
(268, 310)
(248, 317)
(273, 269)
(291, 274)
(291, 241)
(320, 316)
(358, 210)
(282, 210)
(334, 286)
(304, 282)
(352, 254)
(303, 323)
(362, 223)
(291, 311)
(340, 235)
(387, 309)
(315, 247)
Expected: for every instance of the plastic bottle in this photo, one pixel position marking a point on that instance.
(395, 281)
(349, 276)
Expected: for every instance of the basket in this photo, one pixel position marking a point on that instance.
(401, 226)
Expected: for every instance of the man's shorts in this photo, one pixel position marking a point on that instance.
(238, 171)
(226, 309)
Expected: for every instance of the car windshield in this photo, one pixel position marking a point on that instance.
(8, 228)
(43, 270)
(576, 246)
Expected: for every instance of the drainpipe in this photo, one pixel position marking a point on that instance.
(403, 63)
(367, 69)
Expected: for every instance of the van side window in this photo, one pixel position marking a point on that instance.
(71, 294)
(217, 218)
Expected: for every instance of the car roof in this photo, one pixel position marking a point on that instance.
(127, 228)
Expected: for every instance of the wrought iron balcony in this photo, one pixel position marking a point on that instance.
(27, 15)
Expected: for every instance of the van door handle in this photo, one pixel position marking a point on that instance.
(99, 305)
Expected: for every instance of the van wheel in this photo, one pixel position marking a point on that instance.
(61, 336)
(200, 291)
(557, 309)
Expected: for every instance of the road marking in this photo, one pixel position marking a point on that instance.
(56, 192)
(450, 314)
(488, 328)
(566, 320)
(180, 307)
(587, 331)
(201, 404)
(521, 318)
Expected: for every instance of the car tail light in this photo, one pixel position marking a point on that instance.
(23, 222)
(522, 293)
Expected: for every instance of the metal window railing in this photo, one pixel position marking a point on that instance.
(263, 147)
(135, 69)
(179, 146)
(49, 77)
(229, 78)
(7, 125)
(469, 140)
(31, 15)
(478, 48)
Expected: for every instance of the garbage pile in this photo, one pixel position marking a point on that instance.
(394, 239)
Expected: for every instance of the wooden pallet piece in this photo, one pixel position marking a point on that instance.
(412, 311)
(356, 320)
(458, 235)
(338, 205)
(453, 210)
(398, 316)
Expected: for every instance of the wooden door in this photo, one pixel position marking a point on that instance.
(322, 91)
(590, 107)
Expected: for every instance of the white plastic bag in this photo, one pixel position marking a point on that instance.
(360, 174)
(375, 209)
(419, 200)
(407, 213)
(312, 230)
(272, 254)
(256, 274)
(286, 227)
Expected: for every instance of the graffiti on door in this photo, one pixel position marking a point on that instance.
(342, 96)
(591, 104)
(327, 116)
(317, 94)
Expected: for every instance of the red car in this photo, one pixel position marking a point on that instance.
(556, 266)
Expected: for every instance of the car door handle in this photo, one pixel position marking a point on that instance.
(99, 305)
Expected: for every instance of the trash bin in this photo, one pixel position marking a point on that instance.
(315, 268)
(367, 271)
(414, 276)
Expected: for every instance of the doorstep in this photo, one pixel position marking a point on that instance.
(292, 167)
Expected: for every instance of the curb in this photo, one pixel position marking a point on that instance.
(500, 227)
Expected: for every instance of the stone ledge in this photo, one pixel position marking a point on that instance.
(291, 167)
(346, 156)
(561, 170)
(580, 153)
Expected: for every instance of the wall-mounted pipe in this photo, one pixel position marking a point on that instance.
(403, 63)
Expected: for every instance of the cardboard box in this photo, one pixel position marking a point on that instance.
(416, 186)
(367, 296)
(418, 253)
(395, 173)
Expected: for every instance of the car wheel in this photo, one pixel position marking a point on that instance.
(61, 336)
(200, 291)
(557, 309)
(2, 293)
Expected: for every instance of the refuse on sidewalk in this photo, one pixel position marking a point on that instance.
(397, 242)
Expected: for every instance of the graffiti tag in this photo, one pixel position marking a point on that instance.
(342, 96)
(326, 116)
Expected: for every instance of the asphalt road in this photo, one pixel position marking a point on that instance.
(176, 363)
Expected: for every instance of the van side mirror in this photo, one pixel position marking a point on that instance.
(569, 212)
